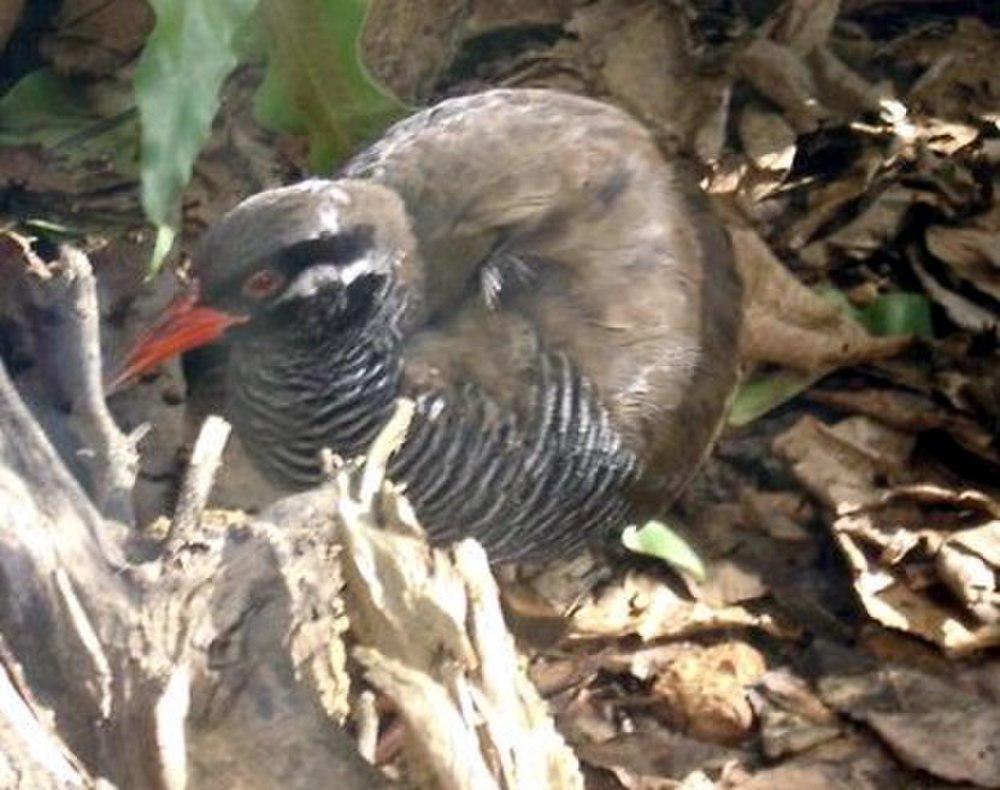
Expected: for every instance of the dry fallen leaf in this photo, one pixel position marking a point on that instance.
(890, 599)
(634, 50)
(806, 24)
(960, 78)
(850, 763)
(969, 564)
(779, 514)
(893, 547)
(973, 254)
(915, 413)
(640, 760)
(642, 605)
(843, 464)
(95, 37)
(963, 311)
(703, 691)
(827, 200)
(927, 723)
(792, 718)
(767, 139)
(780, 74)
(875, 227)
(788, 324)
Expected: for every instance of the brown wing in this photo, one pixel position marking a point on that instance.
(552, 221)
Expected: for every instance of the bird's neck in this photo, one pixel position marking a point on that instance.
(311, 386)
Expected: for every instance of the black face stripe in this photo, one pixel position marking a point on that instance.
(339, 249)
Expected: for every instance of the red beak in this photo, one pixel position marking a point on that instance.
(184, 325)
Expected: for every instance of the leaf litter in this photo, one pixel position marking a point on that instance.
(848, 523)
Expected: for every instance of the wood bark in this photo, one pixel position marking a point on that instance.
(176, 671)
(213, 655)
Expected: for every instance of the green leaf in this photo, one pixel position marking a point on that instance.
(761, 394)
(165, 236)
(838, 299)
(656, 539)
(891, 314)
(192, 49)
(42, 109)
(58, 114)
(316, 84)
(898, 313)
(888, 315)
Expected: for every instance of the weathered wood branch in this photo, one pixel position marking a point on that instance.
(179, 672)
(167, 674)
(62, 301)
(216, 659)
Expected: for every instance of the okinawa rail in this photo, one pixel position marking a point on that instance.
(553, 293)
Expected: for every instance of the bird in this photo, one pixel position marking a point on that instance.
(554, 294)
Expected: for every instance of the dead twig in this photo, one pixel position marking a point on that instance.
(66, 329)
(206, 458)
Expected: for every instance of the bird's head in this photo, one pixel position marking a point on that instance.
(319, 252)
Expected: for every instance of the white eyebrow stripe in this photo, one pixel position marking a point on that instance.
(311, 280)
(353, 270)
(318, 276)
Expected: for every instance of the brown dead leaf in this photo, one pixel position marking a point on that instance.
(586, 716)
(874, 228)
(730, 582)
(887, 646)
(788, 324)
(848, 763)
(10, 16)
(710, 139)
(779, 514)
(806, 24)
(408, 46)
(792, 718)
(704, 691)
(641, 605)
(915, 413)
(779, 73)
(960, 79)
(635, 50)
(892, 544)
(767, 139)
(943, 136)
(843, 90)
(969, 382)
(927, 722)
(96, 37)
(891, 599)
(738, 546)
(827, 200)
(554, 588)
(32, 168)
(918, 538)
(796, 70)
(969, 564)
(972, 253)
(964, 312)
(554, 675)
(843, 464)
(639, 760)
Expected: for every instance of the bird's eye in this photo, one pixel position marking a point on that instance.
(262, 284)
